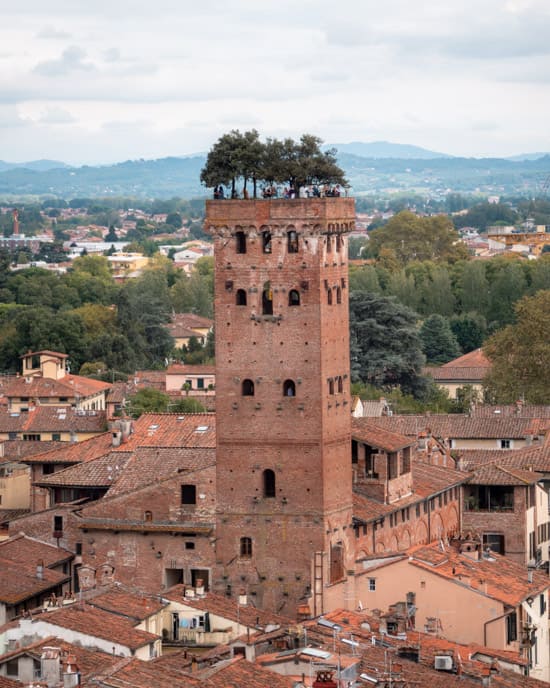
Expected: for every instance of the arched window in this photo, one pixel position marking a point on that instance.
(269, 482)
(338, 243)
(266, 242)
(248, 388)
(293, 297)
(340, 385)
(338, 295)
(240, 297)
(240, 242)
(289, 388)
(329, 244)
(267, 299)
(331, 386)
(246, 547)
(148, 516)
(292, 239)
(329, 297)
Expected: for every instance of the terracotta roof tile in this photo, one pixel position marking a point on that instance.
(227, 608)
(458, 426)
(520, 410)
(535, 457)
(460, 374)
(237, 672)
(52, 419)
(192, 320)
(497, 577)
(27, 550)
(69, 386)
(101, 472)
(364, 430)
(20, 582)
(84, 618)
(135, 673)
(74, 452)
(136, 607)
(493, 474)
(180, 369)
(23, 450)
(473, 359)
(174, 430)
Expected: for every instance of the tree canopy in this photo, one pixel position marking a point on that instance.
(236, 156)
(520, 354)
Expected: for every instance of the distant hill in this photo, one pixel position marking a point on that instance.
(36, 165)
(527, 156)
(179, 176)
(385, 149)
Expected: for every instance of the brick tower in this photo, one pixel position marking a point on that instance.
(284, 481)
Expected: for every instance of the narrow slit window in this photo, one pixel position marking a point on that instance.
(240, 240)
(267, 300)
(338, 295)
(329, 297)
(292, 237)
(269, 482)
(246, 547)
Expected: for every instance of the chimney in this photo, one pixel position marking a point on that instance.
(199, 587)
(50, 666)
(243, 599)
(15, 215)
(40, 570)
(71, 673)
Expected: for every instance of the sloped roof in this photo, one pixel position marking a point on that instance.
(103, 471)
(182, 369)
(493, 474)
(23, 549)
(135, 673)
(74, 452)
(69, 386)
(20, 582)
(52, 419)
(369, 433)
(174, 430)
(497, 577)
(459, 374)
(134, 606)
(89, 620)
(473, 359)
(535, 457)
(22, 450)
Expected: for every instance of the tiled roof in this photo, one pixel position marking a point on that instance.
(24, 450)
(69, 386)
(237, 673)
(89, 620)
(369, 433)
(461, 374)
(135, 673)
(7, 515)
(20, 582)
(88, 661)
(149, 464)
(101, 472)
(520, 409)
(52, 419)
(6, 682)
(459, 426)
(150, 378)
(535, 457)
(473, 359)
(497, 577)
(52, 354)
(428, 480)
(493, 474)
(174, 430)
(74, 452)
(179, 369)
(23, 549)
(134, 606)
(191, 320)
(227, 608)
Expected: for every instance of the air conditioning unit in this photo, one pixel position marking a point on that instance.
(443, 663)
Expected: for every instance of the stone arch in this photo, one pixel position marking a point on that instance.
(405, 540)
(437, 526)
(421, 536)
(380, 546)
(394, 545)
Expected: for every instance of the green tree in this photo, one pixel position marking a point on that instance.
(419, 238)
(520, 354)
(508, 286)
(403, 287)
(364, 278)
(438, 341)
(187, 405)
(385, 346)
(470, 330)
(175, 220)
(148, 400)
(474, 288)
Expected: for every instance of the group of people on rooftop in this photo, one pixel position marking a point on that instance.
(278, 191)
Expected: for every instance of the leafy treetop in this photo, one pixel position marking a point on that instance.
(236, 156)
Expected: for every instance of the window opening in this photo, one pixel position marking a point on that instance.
(331, 386)
(292, 237)
(289, 388)
(340, 385)
(267, 299)
(266, 242)
(246, 547)
(336, 562)
(240, 238)
(269, 482)
(329, 297)
(188, 494)
(293, 297)
(338, 295)
(148, 516)
(240, 297)
(248, 388)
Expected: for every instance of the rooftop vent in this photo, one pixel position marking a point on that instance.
(443, 663)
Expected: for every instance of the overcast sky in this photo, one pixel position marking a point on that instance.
(109, 80)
